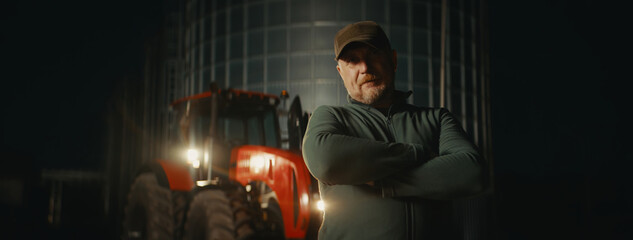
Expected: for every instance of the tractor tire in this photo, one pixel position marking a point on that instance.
(274, 221)
(243, 213)
(180, 205)
(210, 217)
(148, 213)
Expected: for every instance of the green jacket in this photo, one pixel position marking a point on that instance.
(390, 177)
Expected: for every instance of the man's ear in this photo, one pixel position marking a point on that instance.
(338, 68)
(395, 60)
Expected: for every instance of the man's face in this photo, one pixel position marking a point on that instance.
(367, 73)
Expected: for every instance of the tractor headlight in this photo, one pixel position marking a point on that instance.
(258, 162)
(192, 158)
(320, 205)
(318, 202)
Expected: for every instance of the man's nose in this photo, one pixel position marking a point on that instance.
(363, 66)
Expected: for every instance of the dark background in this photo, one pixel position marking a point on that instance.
(560, 119)
(559, 101)
(61, 63)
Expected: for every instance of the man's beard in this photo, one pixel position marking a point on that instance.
(375, 94)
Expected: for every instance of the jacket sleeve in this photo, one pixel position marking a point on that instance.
(334, 157)
(457, 172)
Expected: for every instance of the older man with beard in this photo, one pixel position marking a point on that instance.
(386, 169)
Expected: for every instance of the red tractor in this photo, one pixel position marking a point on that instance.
(228, 177)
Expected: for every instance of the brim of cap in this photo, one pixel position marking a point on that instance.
(360, 39)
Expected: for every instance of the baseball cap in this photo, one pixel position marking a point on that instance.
(368, 32)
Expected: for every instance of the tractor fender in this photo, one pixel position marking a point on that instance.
(285, 173)
(169, 175)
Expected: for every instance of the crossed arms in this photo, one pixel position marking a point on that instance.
(454, 170)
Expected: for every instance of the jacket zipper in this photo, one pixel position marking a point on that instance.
(387, 120)
(411, 230)
(410, 221)
(408, 208)
(393, 131)
(409, 216)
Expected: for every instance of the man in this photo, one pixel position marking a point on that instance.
(386, 168)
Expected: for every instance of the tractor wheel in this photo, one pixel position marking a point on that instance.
(245, 225)
(210, 217)
(274, 221)
(148, 213)
(180, 200)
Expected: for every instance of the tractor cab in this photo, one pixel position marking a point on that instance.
(207, 126)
